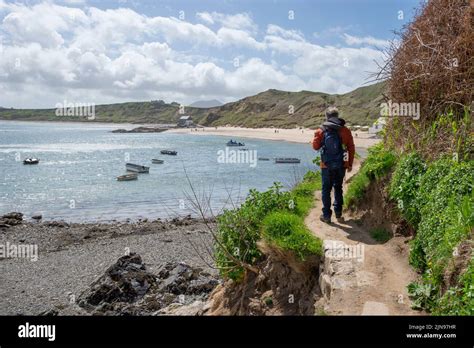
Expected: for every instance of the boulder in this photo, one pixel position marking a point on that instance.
(128, 288)
(125, 281)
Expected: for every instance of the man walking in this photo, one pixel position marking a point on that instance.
(337, 155)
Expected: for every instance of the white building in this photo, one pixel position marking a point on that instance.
(185, 121)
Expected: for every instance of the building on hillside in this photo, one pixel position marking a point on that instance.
(378, 125)
(185, 121)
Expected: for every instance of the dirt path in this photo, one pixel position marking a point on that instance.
(374, 286)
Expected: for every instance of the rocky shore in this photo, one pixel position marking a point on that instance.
(136, 268)
(141, 130)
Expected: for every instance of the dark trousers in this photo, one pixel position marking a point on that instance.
(332, 178)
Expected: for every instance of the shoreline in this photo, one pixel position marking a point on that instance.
(71, 256)
(363, 140)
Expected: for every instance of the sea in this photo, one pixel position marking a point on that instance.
(76, 178)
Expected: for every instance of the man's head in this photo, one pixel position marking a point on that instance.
(331, 112)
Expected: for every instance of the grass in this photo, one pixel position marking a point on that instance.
(288, 231)
(378, 163)
(380, 234)
(239, 230)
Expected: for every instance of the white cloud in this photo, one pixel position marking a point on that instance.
(241, 21)
(366, 40)
(286, 34)
(51, 52)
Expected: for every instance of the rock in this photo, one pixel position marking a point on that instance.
(11, 219)
(193, 309)
(37, 217)
(13, 215)
(128, 288)
(140, 130)
(125, 281)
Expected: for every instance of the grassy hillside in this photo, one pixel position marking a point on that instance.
(270, 108)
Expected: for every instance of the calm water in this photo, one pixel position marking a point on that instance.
(79, 163)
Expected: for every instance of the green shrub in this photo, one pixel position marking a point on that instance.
(459, 300)
(239, 230)
(288, 231)
(438, 201)
(378, 164)
(405, 184)
(303, 193)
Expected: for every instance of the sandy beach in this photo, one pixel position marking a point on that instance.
(362, 140)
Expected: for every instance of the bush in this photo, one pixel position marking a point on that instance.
(438, 201)
(288, 231)
(378, 164)
(405, 184)
(303, 193)
(239, 230)
(459, 300)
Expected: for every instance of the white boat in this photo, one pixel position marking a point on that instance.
(30, 161)
(136, 168)
(287, 160)
(127, 177)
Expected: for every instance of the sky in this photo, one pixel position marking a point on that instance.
(111, 51)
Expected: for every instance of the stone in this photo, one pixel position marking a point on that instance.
(128, 288)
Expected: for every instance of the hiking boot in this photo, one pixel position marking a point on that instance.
(339, 217)
(325, 219)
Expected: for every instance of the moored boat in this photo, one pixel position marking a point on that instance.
(169, 152)
(157, 161)
(30, 161)
(127, 177)
(234, 143)
(263, 159)
(136, 168)
(287, 160)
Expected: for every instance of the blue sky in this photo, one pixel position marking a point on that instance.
(134, 50)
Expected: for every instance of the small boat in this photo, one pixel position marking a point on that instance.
(234, 143)
(136, 168)
(287, 160)
(243, 149)
(31, 161)
(157, 161)
(263, 159)
(169, 152)
(127, 177)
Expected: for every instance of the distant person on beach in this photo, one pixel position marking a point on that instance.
(337, 155)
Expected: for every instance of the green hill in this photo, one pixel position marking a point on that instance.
(270, 108)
